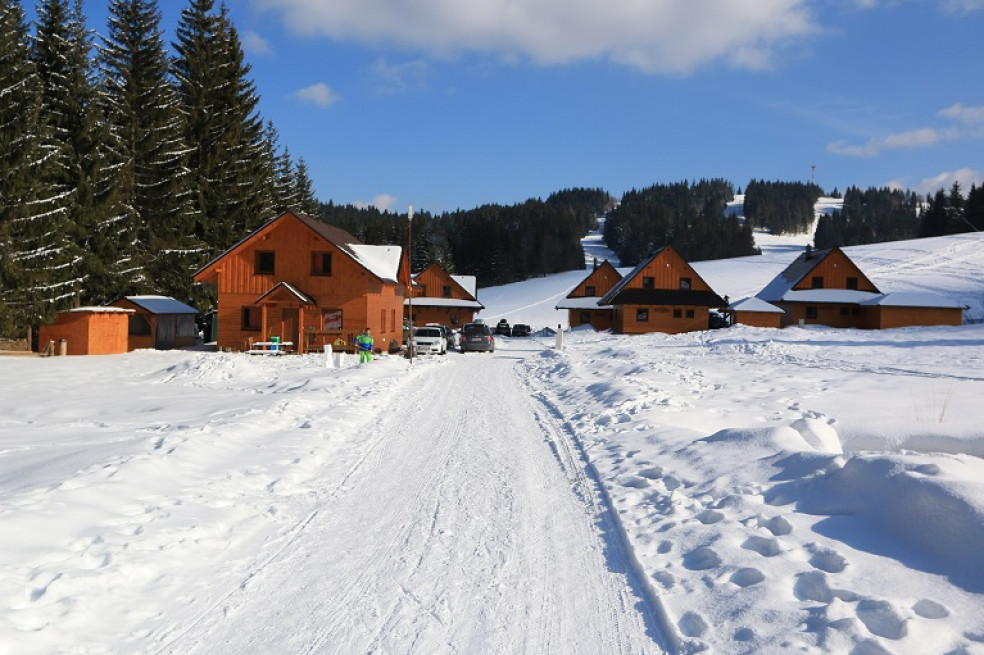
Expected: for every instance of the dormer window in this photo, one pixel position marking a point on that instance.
(852, 283)
(685, 283)
(446, 291)
(816, 282)
(265, 262)
(648, 282)
(589, 292)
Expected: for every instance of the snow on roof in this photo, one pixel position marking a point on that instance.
(850, 296)
(102, 310)
(381, 261)
(755, 305)
(791, 275)
(583, 302)
(161, 305)
(468, 283)
(914, 299)
(424, 301)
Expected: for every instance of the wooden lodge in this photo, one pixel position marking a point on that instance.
(662, 294)
(824, 287)
(582, 302)
(439, 297)
(306, 283)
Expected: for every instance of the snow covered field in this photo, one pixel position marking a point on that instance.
(740, 491)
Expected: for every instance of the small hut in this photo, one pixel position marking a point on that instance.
(756, 313)
(159, 322)
(86, 331)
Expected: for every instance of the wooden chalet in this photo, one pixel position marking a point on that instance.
(824, 287)
(439, 297)
(159, 322)
(582, 303)
(308, 284)
(662, 294)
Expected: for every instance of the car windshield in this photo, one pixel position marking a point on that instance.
(428, 332)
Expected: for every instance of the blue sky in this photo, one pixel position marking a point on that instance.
(447, 104)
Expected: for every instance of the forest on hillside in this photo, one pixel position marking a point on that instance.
(124, 169)
(690, 216)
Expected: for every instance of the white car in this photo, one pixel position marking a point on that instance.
(430, 340)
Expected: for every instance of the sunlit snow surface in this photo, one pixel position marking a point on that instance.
(741, 490)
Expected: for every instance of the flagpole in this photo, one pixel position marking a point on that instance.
(410, 279)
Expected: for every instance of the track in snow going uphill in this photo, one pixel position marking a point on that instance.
(457, 533)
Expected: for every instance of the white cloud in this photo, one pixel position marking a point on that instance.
(400, 78)
(965, 176)
(970, 115)
(921, 137)
(963, 6)
(655, 36)
(255, 44)
(319, 94)
(382, 202)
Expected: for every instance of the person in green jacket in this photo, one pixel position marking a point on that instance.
(364, 343)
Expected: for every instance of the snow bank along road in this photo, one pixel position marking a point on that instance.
(225, 504)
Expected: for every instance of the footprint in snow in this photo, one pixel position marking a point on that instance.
(747, 577)
(764, 546)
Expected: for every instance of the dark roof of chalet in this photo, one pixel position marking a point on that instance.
(615, 290)
(666, 297)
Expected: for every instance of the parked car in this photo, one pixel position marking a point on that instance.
(503, 327)
(449, 334)
(430, 340)
(521, 330)
(477, 336)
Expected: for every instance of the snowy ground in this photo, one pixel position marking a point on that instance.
(739, 491)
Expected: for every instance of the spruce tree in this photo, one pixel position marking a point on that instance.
(222, 128)
(144, 116)
(74, 139)
(20, 159)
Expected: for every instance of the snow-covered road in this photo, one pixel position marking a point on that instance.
(229, 504)
(459, 530)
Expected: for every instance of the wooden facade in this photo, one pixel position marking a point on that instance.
(307, 283)
(582, 302)
(825, 287)
(88, 331)
(439, 297)
(662, 294)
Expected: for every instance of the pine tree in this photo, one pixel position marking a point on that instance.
(223, 130)
(73, 137)
(144, 116)
(306, 201)
(20, 159)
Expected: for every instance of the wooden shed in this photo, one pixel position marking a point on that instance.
(756, 313)
(903, 309)
(159, 322)
(582, 302)
(87, 331)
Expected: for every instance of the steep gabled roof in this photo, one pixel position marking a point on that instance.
(287, 288)
(617, 289)
(381, 261)
(575, 301)
(781, 287)
(622, 294)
